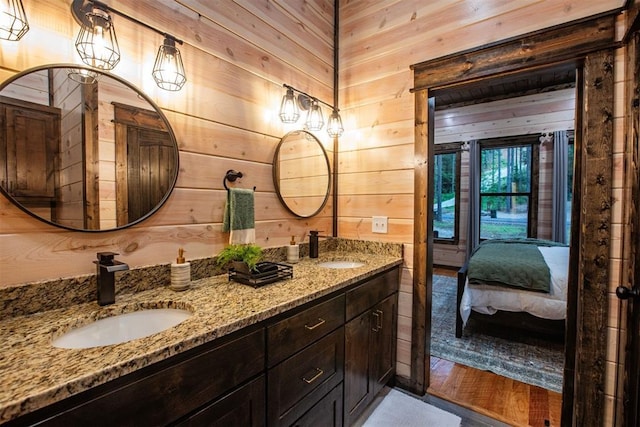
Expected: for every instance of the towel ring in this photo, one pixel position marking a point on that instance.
(231, 176)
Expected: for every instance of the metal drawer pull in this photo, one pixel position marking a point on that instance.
(321, 321)
(315, 377)
(376, 322)
(380, 313)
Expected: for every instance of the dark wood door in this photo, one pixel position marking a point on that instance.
(384, 321)
(357, 381)
(151, 166)
(30, 144)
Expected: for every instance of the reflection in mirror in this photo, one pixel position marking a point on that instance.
(301, 173)
(96, 156)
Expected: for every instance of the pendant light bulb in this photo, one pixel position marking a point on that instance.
(315, 121)
(13, 20)
(334, 127)
(289, 112)
(97, 43)
(168, 70)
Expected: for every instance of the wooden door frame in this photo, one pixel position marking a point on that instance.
(628, 406)
(589, 45)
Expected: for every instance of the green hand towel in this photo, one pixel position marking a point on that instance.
(239, 216)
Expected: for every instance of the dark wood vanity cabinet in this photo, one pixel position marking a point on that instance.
(370, 342)
(317, 365)
(168, 391)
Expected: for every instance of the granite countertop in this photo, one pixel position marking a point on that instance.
(35, 374)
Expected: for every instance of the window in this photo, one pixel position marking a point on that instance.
(446, 193)
(505, 191)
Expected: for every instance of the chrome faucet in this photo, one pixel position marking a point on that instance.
(106, 268)
(313, 243)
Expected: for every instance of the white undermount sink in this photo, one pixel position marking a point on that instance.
(341, 264)
(122, 328)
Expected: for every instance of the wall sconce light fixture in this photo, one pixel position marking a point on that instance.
(13, 20)
(98, 46)
(334, 127)
(168, 70)
(315, 121)
(290, 111)
(465, 146)
(97, 43)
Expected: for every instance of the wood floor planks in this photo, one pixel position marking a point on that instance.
(492, 395)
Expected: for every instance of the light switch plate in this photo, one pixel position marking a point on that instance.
(379, 224)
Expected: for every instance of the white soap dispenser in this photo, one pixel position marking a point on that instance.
(180, 273)
(293, 251)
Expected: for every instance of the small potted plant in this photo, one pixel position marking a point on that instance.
(244, 258)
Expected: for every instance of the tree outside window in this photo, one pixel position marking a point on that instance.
(505, 192)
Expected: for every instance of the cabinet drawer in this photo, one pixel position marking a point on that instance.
(243, 407)
(371, 292)
(292, 334)
(296, 384)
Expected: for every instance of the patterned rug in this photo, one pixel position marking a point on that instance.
(527, 359)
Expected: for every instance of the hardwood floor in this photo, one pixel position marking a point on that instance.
(498, 397)
(492, 395)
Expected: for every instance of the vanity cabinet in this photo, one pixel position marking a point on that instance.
(306, 357)
(319, 364)
(370, 341)
(168, 391)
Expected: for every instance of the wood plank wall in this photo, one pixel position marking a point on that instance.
(379, 41)
(237, 55)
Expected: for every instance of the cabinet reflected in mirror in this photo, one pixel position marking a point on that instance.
(301, 173)
(92, 156)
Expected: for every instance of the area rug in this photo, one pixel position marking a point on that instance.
(526, 359)
(400, 409)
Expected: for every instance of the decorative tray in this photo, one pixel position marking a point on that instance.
(266, 272)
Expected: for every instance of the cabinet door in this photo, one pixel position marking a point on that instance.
(384, 319)
(357, 378)
(243, 407)
(326, 413)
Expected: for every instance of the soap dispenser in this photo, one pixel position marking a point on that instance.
(180, 273)
(293, 251)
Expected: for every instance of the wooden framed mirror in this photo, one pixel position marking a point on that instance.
(301, 173)
(84, 150)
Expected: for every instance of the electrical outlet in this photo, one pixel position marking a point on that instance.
(379, 224)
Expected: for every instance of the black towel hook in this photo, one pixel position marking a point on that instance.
(231, 176)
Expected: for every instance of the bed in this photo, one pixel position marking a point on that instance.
(520, 283)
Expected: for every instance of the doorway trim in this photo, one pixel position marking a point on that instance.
(589, 45)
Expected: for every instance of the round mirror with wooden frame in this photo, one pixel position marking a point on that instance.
(301, 173)
(84, 150)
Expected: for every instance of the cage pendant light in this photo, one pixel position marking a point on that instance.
(97, 43)
(13, 20)
(289, 111)
(334, 127)
(168, 70)
(315, 121)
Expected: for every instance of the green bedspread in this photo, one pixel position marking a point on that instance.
(511, 262)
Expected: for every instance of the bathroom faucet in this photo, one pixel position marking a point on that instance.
(313, 243)
(106, 268)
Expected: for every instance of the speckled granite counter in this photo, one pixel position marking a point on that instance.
(35, 374)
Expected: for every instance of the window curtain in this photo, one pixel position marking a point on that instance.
(473, 230)
(559, 206)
